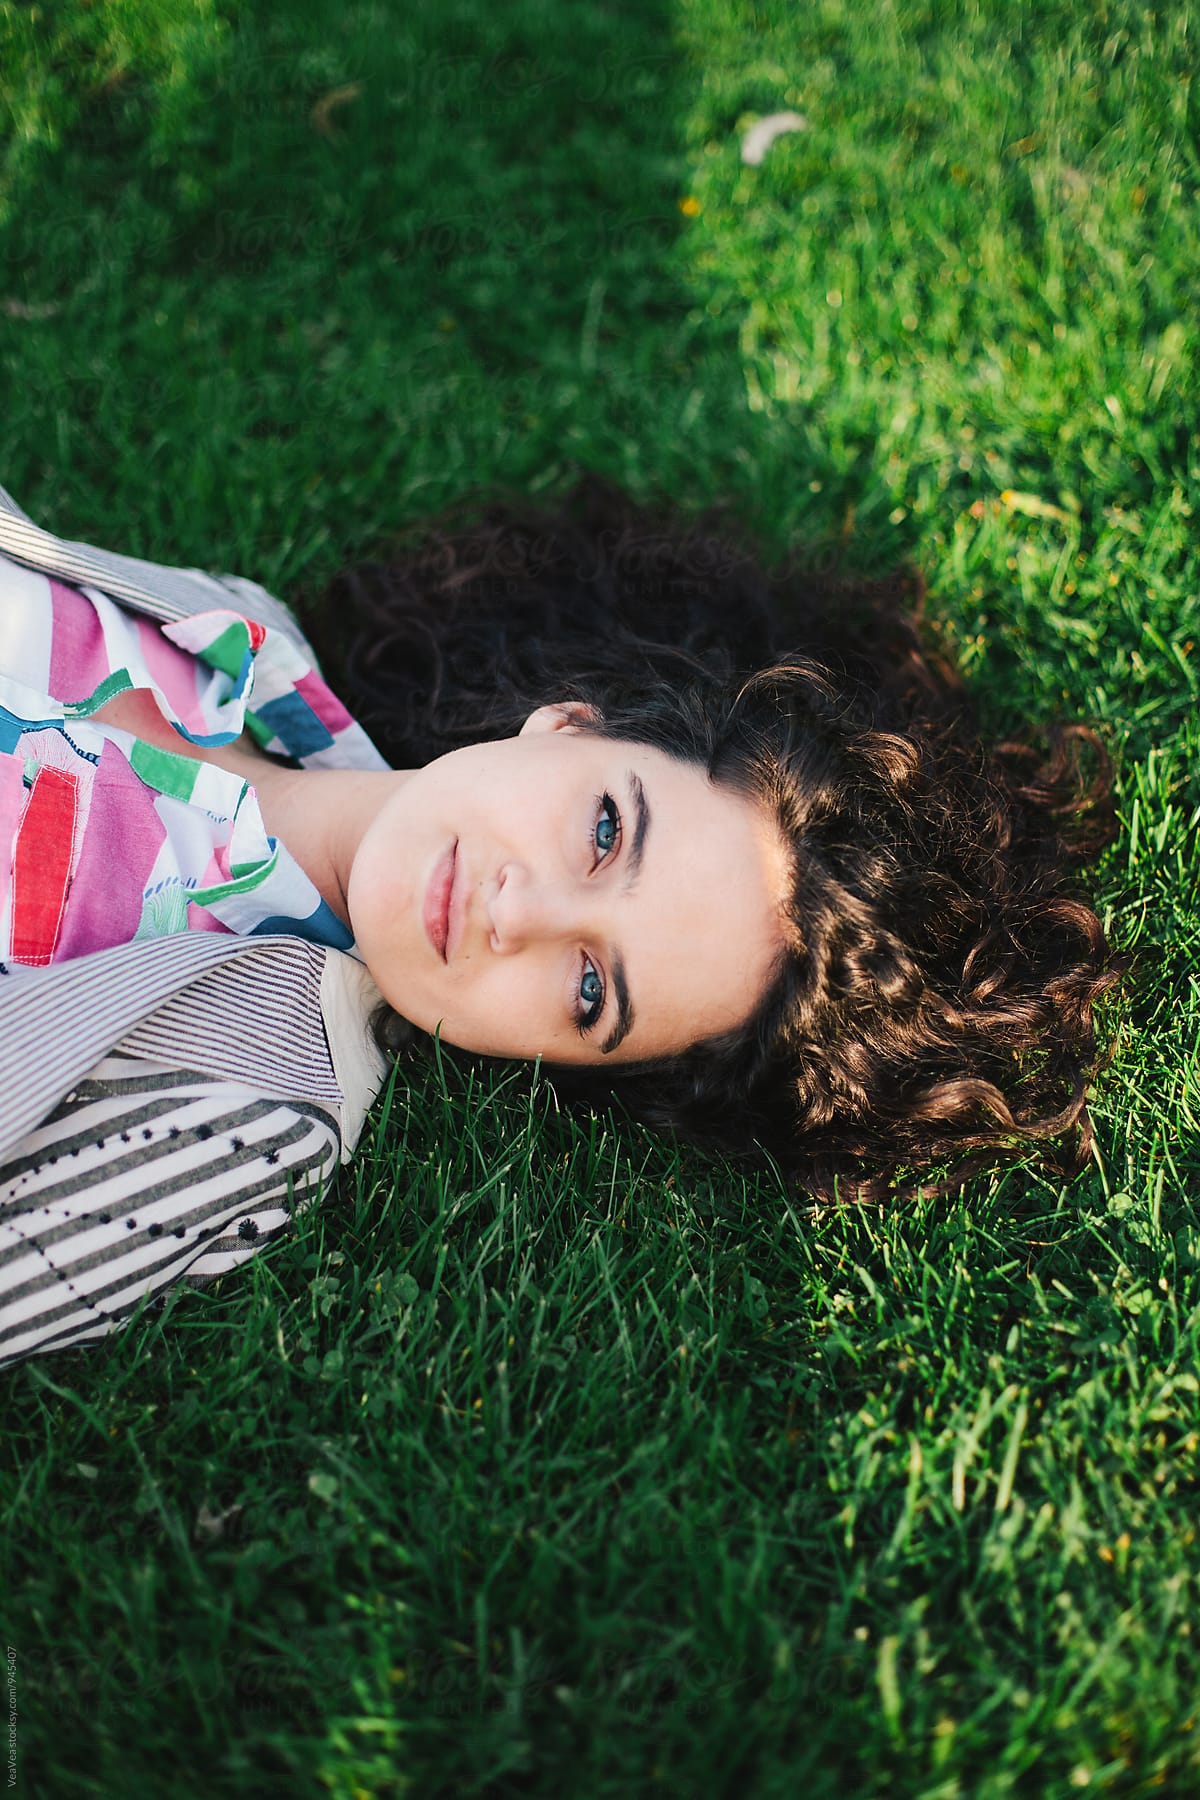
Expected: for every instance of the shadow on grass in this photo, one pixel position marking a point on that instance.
(362, 265)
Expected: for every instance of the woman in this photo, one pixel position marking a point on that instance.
(780, 901)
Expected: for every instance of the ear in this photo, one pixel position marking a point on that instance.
(562, 715)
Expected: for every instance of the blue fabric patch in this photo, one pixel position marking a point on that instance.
(292, 720)
(11, 728)
(321, 927)
(243, 674)
(211, 740)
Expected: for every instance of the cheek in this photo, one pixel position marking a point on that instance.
(387, 928)
(505, 1008)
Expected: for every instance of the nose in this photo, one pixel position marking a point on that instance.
(528, 908)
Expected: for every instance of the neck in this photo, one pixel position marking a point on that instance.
(321, 816)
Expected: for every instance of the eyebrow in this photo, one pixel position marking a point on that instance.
(642, 826)
(625, 1013)
(620, 1030)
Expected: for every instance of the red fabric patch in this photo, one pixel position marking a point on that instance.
(42, 866)
(258, 633)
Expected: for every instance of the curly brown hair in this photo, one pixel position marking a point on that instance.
(938, 985)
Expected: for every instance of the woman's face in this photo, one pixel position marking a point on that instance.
(570, 896)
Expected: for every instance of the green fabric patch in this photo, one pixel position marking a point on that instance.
(163, 770)
(119, 682)
(227, 652)
(241, 883)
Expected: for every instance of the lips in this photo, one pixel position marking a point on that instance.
(438, 895)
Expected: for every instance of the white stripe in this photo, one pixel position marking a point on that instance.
(222, 1261)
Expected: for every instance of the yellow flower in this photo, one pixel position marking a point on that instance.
(689, 206)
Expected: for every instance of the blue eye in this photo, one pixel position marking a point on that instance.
(591, 996)
(607, 834)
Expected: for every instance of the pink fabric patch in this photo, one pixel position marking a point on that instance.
(78, 658)
(325, 704)
(200, 919)
(216, 869)
(123, 837)
(12, 799)
(175, 672)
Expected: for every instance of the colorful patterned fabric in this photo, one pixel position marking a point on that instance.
(105, 838)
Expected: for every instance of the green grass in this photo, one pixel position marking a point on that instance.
(546, 1460)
